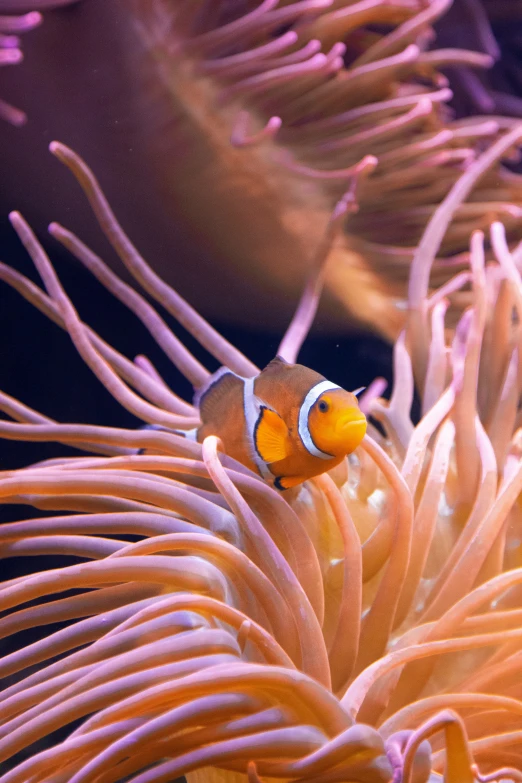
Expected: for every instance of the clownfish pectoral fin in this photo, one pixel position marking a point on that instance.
(287, 482)
(271, 438)
(215, 392)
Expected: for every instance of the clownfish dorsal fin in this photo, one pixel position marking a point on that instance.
(271, 437)
(216, 391)
(276, 363)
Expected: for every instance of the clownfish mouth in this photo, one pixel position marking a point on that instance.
(352, 428)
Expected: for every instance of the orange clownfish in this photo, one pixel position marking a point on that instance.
(287, 424)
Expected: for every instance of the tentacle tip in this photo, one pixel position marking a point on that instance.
(12, 56)
(252, 774)
(424, 106)
(369, 160)
(412, 51)
(20, 119)
(59, 150)
(33, 19)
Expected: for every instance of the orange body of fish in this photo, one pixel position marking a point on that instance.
(287, 424)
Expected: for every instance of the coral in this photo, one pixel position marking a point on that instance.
(367, 627)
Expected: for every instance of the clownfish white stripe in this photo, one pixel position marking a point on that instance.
(252, 410)
(302, 428)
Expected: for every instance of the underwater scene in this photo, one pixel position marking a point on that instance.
(260, 391)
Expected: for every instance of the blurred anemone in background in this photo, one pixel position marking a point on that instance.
(10, 53)
(306, 90)
(367, 626)
(158, 89)
(495, 28)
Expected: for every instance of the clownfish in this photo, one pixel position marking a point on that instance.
(288, 423)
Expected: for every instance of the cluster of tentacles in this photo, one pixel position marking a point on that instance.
(306, 89)
(367, 627)
(11, 54)
(12, 24)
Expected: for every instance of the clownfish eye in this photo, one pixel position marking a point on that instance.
(323, 406)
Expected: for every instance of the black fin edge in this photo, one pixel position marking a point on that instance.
(278, 485)
(262, 409)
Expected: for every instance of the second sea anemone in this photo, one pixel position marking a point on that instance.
(10, 53)
(305, 90)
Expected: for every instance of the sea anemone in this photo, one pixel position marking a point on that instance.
(11, 24)
(367, 627)
(305, 89)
